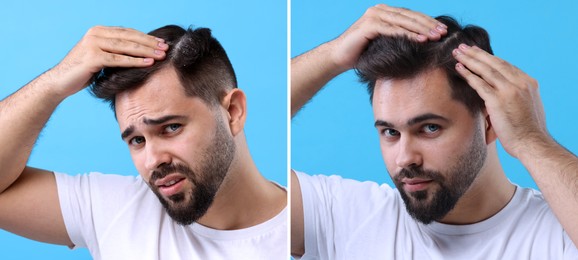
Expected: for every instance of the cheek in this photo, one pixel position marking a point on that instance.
(442, 153)
(189, 148)
(138, 160)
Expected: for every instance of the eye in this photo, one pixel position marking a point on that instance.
(388, 132)
(431, 128)
(172, 128)
(137, 140)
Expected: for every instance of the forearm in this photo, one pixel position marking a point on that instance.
(22, 117)
(309, 73)
(555, 171)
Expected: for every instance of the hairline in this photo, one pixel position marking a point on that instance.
(428, 69)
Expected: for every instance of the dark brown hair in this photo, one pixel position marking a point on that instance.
(198, 58)
(397, 57)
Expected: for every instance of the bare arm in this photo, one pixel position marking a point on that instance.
(312, 70)
(29, 203)
(516, 113)
(297, 226)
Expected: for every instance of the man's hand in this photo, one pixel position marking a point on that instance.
(26, 192)
(383, 20)
(515, 109)
(511, 97)
(105, 47)
(312, 70)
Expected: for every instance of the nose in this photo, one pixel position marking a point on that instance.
(408, 154)
(156, 156)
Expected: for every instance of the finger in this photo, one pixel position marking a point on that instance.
(411, 24)
(412, 21)
(131, 48)
(436, 27)
(388, 29)
(119, 60)
(130, 35)
(478, 84)
(481, 63)
(509, 71)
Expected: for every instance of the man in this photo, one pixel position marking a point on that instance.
(440, 100)
(175, 97)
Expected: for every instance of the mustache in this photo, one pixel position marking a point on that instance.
(167, 169)
(418, 172)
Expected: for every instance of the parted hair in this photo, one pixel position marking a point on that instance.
(200, 61)
(398, 57)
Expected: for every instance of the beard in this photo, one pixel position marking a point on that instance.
(432, 204)
(188, 206)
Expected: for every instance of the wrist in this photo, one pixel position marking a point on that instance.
(536, 147)
(335, 62)
(51, 84)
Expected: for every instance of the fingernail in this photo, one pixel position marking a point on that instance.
(421, 38)
(441, 29)
(159, 52)
(459, 66)
(160, 39)
(464, 46)
(434, 33)
(457, 52)
(148, 60)
(442, 25)
(162, 45)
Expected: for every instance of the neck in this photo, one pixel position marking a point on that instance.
(489, 193)
(245, 197)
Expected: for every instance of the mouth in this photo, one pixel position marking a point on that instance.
(415, 184)
(170, 185)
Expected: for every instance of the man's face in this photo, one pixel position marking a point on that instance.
(181, 146)
(432, 146)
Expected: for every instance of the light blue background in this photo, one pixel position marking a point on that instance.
(83, 136)
(334, 133)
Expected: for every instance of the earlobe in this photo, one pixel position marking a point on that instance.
(236, 106)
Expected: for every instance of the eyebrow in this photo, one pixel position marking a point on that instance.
(151, 121)
(413, 121)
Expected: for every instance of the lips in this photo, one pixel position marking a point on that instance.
(170, 185)
(415, 184)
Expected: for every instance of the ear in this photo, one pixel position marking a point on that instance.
(235, 104)
(489, 128)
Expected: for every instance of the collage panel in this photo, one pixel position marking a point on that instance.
(190, 162)
(437, 130)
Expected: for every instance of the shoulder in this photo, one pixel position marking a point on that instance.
(98, 186)
(532, 200)
(98, 179)
(341, 192)
(335, 183)
(530, 212)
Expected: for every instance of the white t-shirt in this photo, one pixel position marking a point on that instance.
(119, 217)
(347, 219)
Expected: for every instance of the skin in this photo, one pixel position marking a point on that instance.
(29, 203)
(153, 145)
(397, 102)
(514, 114)
(170, 142)
(513, 102)
(25, 113)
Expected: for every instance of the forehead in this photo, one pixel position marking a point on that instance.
(162, 94)
(427, 92)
